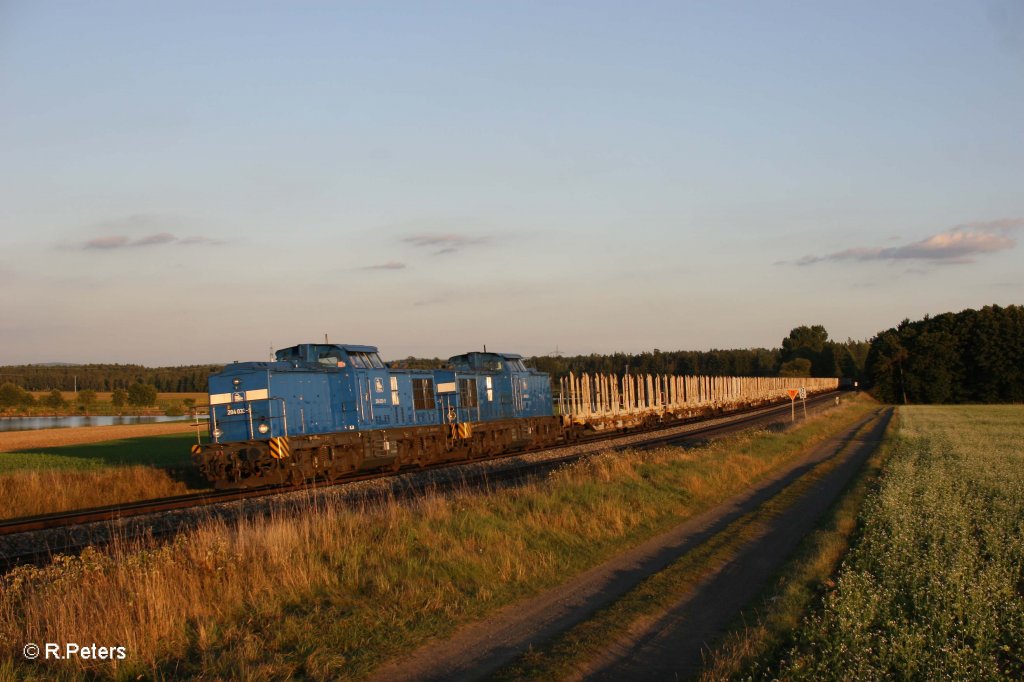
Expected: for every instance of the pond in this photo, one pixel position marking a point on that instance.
(33, 423)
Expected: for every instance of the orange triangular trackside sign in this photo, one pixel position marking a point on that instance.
(793, 393)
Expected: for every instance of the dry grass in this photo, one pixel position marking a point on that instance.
(41, 491)
(333, 592)
(15, 441)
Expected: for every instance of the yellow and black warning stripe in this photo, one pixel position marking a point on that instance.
(196, 449)
(462, 430)
(279, 448)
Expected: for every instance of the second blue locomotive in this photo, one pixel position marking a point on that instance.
(328, 410)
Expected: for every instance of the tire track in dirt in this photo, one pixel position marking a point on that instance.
(673, 645)
(481, 648)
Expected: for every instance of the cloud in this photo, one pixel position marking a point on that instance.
(109, 242)
(444, 243)
(207, 241)
(390, 265)
(140, 230)
(153, 239)
(956, 246)
(120, 241)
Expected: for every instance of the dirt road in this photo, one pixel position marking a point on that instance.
(670, 648)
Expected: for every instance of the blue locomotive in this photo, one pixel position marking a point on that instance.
(329, 410)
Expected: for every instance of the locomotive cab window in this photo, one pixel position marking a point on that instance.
(423, 394)
(467, 393)
(375, 360)
(357, 361)
(330, 358)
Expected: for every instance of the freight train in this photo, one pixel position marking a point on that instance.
(328, 411)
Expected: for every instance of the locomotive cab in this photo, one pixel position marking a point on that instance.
(499, 386)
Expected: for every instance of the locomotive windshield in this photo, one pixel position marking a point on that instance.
(330, 358)
(366, 360)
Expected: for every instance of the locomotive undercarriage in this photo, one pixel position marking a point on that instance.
(333, 456)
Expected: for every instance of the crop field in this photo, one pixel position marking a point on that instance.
(170, 450)
(334, 592)
(933, 587)
(94, 474)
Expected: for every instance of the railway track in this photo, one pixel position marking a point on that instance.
(41, 552)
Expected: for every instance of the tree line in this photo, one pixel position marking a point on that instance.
(806, 352)
(136, 395)
(184, 379)
(970, 356)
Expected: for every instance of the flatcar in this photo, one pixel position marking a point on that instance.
(328, 411)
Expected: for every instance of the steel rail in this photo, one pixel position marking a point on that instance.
(143, 507)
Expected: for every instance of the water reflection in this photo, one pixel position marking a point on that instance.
(33, 423)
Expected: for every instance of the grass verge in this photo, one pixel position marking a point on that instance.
(332, 593)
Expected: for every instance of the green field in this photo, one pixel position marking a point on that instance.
(933, 587)
(170, 451)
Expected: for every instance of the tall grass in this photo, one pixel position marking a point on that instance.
(331, 593)
(934, 588)
(94, 474)
(42, 491)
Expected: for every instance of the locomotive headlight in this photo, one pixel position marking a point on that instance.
(263, 428)
(217, 433)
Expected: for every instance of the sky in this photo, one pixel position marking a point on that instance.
(197, 182)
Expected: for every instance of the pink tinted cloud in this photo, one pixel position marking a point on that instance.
(120, 241)
(955, 246)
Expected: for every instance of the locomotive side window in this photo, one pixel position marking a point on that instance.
(375, 360)
(357, 361)
(423, 394)
(467, 393)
